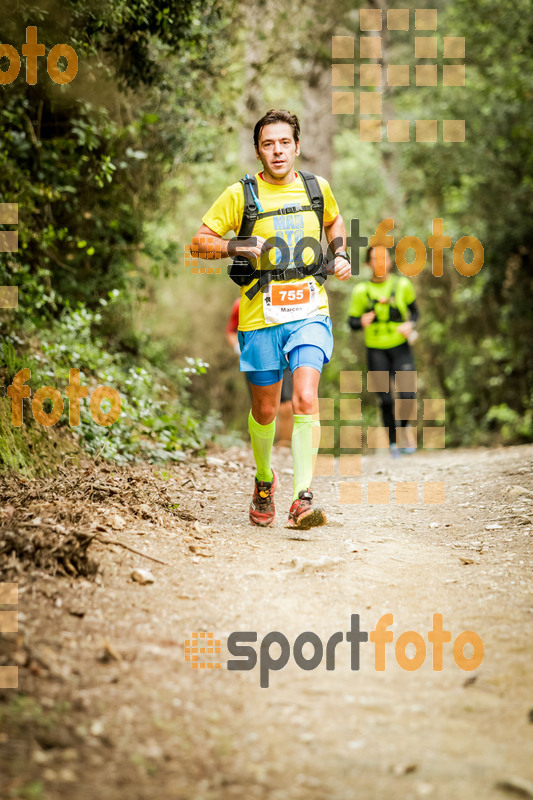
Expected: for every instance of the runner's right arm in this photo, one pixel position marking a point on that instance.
(358, 323)
(208, 244)
(359, 318)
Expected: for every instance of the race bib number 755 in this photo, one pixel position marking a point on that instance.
(282, 296)
(286, 302)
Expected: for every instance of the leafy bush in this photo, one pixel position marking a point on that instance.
(86, 163)
(156, 421)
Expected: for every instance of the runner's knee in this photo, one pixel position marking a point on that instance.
(304, 401)
(264, 410)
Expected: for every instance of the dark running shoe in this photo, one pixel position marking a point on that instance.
(262, 508)
(303, 515)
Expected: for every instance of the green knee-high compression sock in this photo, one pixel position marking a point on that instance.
(262, 437)
(305, 442)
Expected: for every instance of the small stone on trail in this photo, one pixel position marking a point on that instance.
(424, 789)
(403, 769)
(199, 528)
(516, 491)
(108, 654)
(97, 728)
(301, 564)
(356, 744)
(213, 461)
(516, 786)
(142, 576)
(67, 775)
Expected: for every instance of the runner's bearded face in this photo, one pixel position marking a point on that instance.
(277, 152)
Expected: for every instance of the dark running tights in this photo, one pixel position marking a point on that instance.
(392, 360)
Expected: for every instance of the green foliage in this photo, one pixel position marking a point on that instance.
(475, 333)
(112, 173)
(86, 164)
(85, 161)
(23, 718)
(32, 790)
(514, 427)
(485, 187)
(155, 421)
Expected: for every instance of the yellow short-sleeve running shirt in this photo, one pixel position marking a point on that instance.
(226, 213)
(396, 291)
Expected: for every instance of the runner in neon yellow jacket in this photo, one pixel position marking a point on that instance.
(385, 308)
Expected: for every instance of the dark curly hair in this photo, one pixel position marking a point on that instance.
(277, 115)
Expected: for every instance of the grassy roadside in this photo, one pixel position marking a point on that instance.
(156, 420)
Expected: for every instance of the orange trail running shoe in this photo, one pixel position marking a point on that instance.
(303, 515)
(262, 508)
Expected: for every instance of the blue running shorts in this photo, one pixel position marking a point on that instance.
(265, 352)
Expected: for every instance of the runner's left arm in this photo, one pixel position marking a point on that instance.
(337, 230)
(407, 327)
(413, 312)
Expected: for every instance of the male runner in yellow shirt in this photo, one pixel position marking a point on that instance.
(286, 317)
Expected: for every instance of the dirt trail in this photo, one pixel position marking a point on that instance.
(107, 707)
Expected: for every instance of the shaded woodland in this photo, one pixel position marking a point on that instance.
(113, 171)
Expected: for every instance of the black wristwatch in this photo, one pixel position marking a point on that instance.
(343, 254)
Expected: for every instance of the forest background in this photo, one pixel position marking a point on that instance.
(113, 171)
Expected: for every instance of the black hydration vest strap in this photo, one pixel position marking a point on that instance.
(394, 312)
(316, 198)
(251, 211)
(295, 209)
(241, 270)
(265, 276)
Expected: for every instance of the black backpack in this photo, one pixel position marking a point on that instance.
(241, 270)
